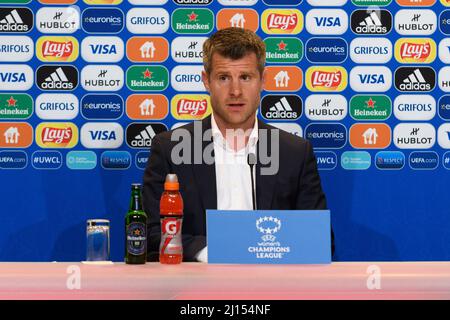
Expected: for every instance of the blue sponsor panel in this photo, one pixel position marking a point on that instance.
(446, 160)
(326, 135)
(326, 160)
(390, 160)
(116, 160)
(81, 160)
(444, 107)
(102, 106)
(423, 160)
(141, 159)
(13, 159)
(46, 160)
(356, 160)
(102, 20)
(326, 50)
(282, 2)
(444, 22)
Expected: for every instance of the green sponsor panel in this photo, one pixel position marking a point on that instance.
(283, 50)
(192, 21)
(14, 1)
(15, 106)
(371, 2)
(370, 107)
(147, 78)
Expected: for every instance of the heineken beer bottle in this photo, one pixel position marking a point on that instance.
(136, 229)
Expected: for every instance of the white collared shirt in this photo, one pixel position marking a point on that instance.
(233, 178)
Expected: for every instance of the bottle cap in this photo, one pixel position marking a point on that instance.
(171, 182)
(136, 186)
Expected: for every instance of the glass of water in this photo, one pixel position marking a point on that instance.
(97, 240)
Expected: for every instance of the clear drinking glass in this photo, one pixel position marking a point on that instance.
(97, 240)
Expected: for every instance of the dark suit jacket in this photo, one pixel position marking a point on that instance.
(295, 186)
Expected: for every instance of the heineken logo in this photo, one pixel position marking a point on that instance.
(283, 50)
(15, 106)
(370, 107)
(147, 78)
(365, 3)
(197, 21)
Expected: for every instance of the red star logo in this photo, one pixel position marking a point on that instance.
(147, 74)
(192, 16)
(370, 103)
(11, 102)
(282, 46)
(137, 232)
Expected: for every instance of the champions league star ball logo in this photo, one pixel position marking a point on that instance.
(268, 226)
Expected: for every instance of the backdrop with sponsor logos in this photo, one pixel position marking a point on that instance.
(85, 85)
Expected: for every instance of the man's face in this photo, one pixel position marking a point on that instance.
(235, 90)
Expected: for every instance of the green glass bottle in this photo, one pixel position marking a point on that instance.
(136, 229)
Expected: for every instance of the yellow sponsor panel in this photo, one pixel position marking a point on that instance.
(57, 49)
(190, 106)
(446, 3)
(282, 21)
(56, 135)
(328, 79)
(415, 50)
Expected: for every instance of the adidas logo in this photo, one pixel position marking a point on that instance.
(415, 79)
(57, 80)
(275, 107)
(374, 22)
(415, 82)
(13, 22)
(144, 138)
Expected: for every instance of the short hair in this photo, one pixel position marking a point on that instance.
(234, 43)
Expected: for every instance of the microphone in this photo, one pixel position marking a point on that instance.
(251, 160)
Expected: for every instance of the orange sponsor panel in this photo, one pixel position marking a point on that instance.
(370, 136)
(147, 106)
(147, 49)
(240, 18)
(283, 78)
(15, 135)
(417, 3)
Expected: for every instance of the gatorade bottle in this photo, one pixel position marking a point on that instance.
(171, 211)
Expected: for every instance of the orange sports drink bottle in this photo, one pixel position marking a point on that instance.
(171, 211)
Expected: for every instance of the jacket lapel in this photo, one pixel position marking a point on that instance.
(205, 174)
(265, 184)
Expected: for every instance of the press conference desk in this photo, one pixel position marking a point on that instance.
(341, 280)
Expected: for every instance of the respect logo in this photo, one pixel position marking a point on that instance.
(56, 135)
(282, 21)
(415, 50)
(57, 49)
(331, 79)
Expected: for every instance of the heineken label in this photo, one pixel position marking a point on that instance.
(136, 238)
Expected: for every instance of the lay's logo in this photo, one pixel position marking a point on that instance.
(326, 79)
(282, 21)
(56, 135)
(190, 107)
(57, 49)
(415, 50)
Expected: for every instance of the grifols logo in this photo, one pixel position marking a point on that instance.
(326, 79)
(56, 135)
(189, 107)
(282, 21)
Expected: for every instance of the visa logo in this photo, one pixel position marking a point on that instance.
(12, 77)
(103, 135)
(371, 78)
(328, 21)
(103, 49)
